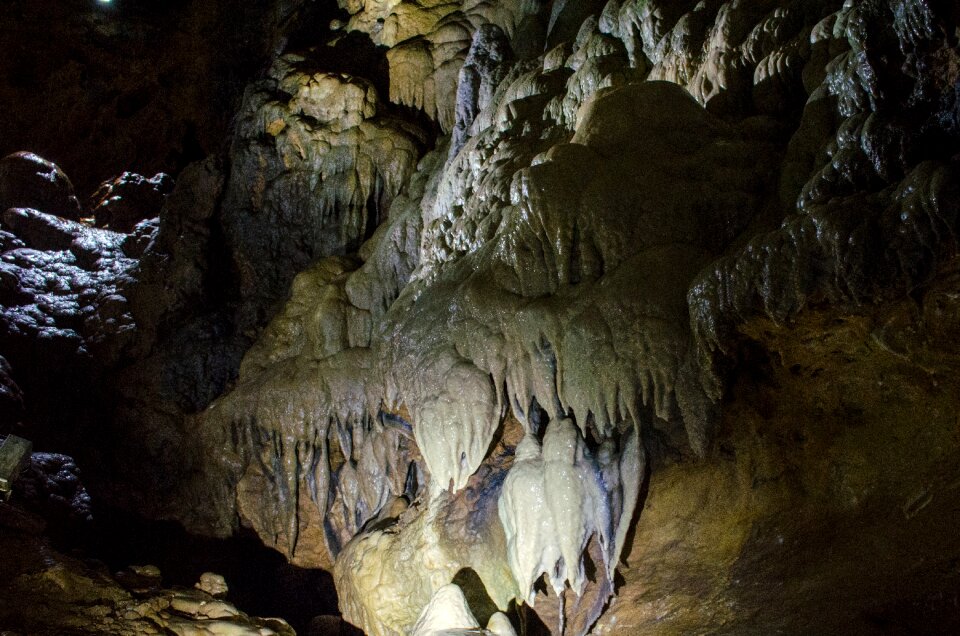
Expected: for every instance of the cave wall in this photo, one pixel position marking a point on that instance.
(659, 291)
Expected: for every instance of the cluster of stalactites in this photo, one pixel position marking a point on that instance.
(428, 42)
(558, 496)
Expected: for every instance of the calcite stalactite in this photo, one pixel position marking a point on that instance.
(483, 70)
(429, 41)
(324, 164)
(519, 278)
(873, 214)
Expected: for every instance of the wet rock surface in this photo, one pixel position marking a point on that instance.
(29, 181)
(826, 523)
(660, 338)
(315, 164)
(121, 203)
(51, 486)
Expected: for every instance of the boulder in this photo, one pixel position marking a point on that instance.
(123, 202)
(29, 181)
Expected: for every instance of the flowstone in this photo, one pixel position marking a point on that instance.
(483, 385)
(537, 290)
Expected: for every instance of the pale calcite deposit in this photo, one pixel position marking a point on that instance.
(447, 610)
(428, 43)
(500, 625)
(355, 406)
(576, 267)
(553, 501)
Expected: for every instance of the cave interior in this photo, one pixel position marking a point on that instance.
(437, 317)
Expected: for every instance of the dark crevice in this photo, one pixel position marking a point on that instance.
(261, 581)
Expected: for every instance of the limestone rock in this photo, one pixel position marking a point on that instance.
(867, 219)
(314, 169)
(428, 44)
(567, 16)
(484, 68)
(601, 261)
(121, 203)
(321, 336)
(500, 625)
(29, 181)
(522, 255)
(213, 584)
(11, 397)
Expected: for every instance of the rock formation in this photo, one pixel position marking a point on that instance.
(621, 316)
(57, 594)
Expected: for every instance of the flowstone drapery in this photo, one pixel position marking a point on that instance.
(561, 285)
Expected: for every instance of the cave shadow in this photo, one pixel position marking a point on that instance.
(522, 617)
(618, 580)
(479, 602)
(261, 581)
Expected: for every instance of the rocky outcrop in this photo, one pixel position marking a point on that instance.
(483, 69)
(829, 503)
(29, 181)
(121, 203)
(57, 594)
(62, 301)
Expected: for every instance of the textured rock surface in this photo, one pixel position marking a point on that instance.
(314, 168)
(676, 297)
(545, 290)
(121, 203)
(29, 181)
(837, 467)
(62, 302)
(50, 485)
(44, 592)
(430, 41)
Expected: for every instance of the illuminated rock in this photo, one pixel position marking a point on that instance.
(29, 181)
(123, 202)
(447, 610)
(315, 167)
